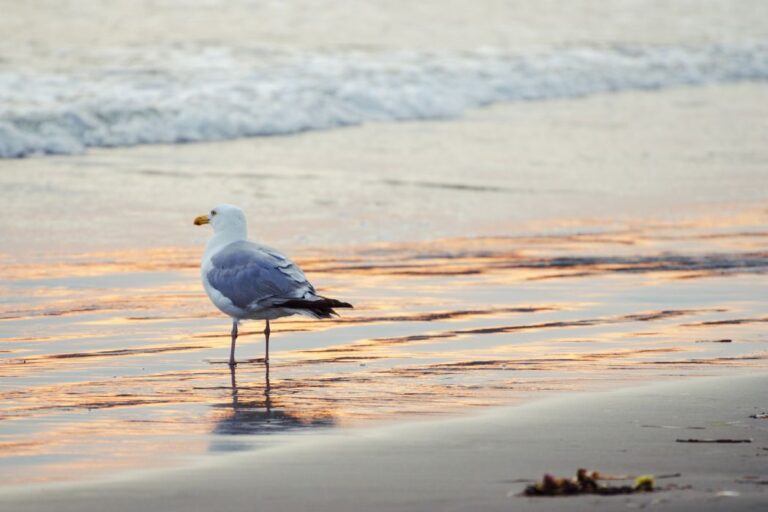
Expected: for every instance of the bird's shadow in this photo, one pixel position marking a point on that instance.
(255, 410)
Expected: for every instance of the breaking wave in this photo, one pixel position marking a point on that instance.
(224, 93)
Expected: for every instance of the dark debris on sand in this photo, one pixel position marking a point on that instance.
(586, 482)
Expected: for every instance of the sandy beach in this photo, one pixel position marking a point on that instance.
(482, 462)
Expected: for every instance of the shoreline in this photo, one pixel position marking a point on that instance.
(474, 461)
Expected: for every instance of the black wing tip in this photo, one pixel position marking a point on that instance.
(335, 303)
(320, 306)
(327, 303)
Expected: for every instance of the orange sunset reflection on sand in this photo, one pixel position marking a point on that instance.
(117, 360)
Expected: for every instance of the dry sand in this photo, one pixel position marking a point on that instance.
(476, 463)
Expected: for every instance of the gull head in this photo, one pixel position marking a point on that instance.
(225, 218)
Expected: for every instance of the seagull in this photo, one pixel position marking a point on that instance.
(248, 280)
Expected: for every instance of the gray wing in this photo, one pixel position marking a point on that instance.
(255, 276)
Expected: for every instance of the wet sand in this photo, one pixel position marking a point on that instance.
(481, 462)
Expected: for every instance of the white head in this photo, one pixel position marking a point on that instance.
(227, 220)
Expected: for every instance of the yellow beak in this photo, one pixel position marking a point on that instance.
(202, 219)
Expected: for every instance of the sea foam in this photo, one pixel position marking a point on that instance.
(224, 94)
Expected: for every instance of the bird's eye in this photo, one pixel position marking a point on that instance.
(213, 212)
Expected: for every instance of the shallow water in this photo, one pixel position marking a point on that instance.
(112, 363)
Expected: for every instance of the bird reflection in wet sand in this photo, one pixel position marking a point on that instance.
(251, 281)
(254, 411)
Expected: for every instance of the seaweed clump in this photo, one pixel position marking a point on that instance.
(586, 482)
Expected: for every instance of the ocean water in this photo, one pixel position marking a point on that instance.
(276, 73)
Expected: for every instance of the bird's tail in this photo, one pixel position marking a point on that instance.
(320, 307)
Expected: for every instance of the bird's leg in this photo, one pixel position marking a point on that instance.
(267, 388)
(267, 391)
(266, 336)
(234, 387)
(232, 362)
